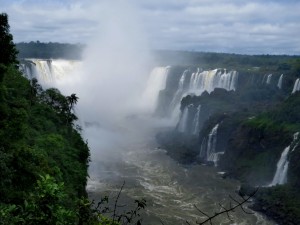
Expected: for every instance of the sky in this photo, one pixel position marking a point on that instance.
(231, 26)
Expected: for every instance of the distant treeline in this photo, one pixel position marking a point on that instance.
(205, 60)
(225, 60)
(50, 50)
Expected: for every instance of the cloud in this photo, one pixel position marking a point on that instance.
(238, 26)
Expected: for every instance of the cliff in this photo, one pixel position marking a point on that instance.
(244, 131)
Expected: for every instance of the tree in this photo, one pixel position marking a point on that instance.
(72, 100)
(8, 53)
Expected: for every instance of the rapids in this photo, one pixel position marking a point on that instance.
(170, 189)
(123, 148)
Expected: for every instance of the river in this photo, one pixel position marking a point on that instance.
(125, 150)
(130, 154)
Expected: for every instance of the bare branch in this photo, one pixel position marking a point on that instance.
(116, 202)
(226, 211)
(201, 211)
(163, 222)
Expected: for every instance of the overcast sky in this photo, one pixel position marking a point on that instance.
(235, 26)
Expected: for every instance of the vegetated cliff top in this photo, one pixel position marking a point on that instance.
(50, 50)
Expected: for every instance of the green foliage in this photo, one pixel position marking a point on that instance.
(37, 138)
(280, 202)
(285, 117)
(238, 62)
(8, 53)
(44, 205)
(43, 159)
(49, 50)
(100, 215)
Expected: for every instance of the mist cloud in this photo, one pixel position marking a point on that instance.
(115, 66)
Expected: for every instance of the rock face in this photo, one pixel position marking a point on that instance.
(243, 130)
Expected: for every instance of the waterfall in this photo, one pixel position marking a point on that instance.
(208, 147)
(203, 147)
(211, 79)
(212, 141)
(194, 80)
(269, 77)
(156, 83)
(48, 71)
(282, 167)
(194, 83)
(279, 85)
(214, 157)
(228, 80)
(296, 86)
(183, 122)
(196, 121)
(280, 176)
(178, 95)
(264, 78)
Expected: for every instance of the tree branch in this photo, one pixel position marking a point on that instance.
(116, 202)
(226, 211)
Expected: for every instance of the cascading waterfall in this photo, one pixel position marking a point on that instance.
(201, 81)
(269, 78)
(180, 91)
(48, 71)
(214, 157)
(182, 125)
(282, 167)
(211, 143)
(228, 80)
(211, 79)
(279, 85)
(148, 170)
(194, 80)
(203, 147)
(196, 120)
(155, 83)
(208, 147)
(264, 78)
(296, 86)
(280, 176)
(194, 83)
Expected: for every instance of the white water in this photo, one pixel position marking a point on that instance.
(170, 189)
(212, 142)
(196, 121)
(182, 125)
(155, 83)
(214, 157)
(280, 176)
(264, 78)
(48, 72)
(208, 147)
(201, 81)
(179, 93)
(127, 152)
(296, 86)
(211, 79)
(279, 84)
(269, 77)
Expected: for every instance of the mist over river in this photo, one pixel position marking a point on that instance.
(120, 129)
(121, 135)
(170, 189)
